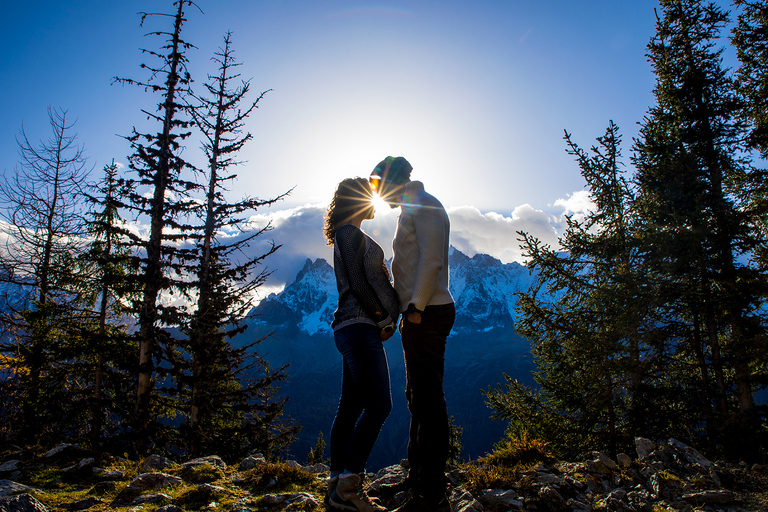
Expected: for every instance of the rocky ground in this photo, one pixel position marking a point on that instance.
(661, 477)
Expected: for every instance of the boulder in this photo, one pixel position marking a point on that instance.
(213, 460)
(251, 462)
(500, 497)
(296, 501)
(644, 447)
(10, 465)
(712, 497)
(463, 501)
(147, 481)
(156, 462)
(10, 487)
(21, 503)
(150, 498)
(82, 504)
(170, 508)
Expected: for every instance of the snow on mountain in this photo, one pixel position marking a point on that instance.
(482, 348)
(483, 288)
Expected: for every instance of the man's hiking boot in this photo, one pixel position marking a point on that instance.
(350, 490)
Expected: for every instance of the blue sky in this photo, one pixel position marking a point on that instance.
(475, 94)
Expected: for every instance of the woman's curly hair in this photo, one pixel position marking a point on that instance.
(352, 196)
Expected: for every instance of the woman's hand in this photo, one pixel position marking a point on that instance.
(388, 331)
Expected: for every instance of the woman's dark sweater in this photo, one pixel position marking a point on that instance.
(366, 294)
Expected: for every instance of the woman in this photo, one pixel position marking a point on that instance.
(366, 315)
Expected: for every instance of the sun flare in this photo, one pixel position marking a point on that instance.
(379, 205)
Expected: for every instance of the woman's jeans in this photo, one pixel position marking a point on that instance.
(365, 400)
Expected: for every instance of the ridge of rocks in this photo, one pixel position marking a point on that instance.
(663, 476)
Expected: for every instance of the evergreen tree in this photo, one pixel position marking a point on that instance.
(749, 39)
(232, 407)
(42, 210)
(110, 348)
(697, 235)
(163, 174)
(587, 318)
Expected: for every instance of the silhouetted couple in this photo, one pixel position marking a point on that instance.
(370, 303)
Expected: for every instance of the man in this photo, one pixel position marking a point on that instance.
(420, 271)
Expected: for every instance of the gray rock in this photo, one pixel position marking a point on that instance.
(251, 462)
(644, 447)
(624, 460)
(10, 487)
(500, 497)
(60, 448)
(86, 462)
(9, 465)
(210, 490)
(294, 464)
(170, 508)
(213, 460)
(21, 503)
(317, 468)
(150, 498)
(713, 497)
(463, 501)
(547, 478)
(552, 499)
(601, 464)
(82, 504)
(147, 481)
(156, 462)
(616, 501)
(112, 475)
(299, 500)
(388, 475)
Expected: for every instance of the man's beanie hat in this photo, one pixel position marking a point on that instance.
(394, 170)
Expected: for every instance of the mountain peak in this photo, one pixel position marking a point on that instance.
(484, 289)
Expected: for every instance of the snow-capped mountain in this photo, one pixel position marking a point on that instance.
(483, 288)
(483, 346)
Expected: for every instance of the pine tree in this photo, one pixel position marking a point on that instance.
(752, 77)
(696, 232)
(231, 390)
(110, 348)
(158, 166)
(587, 320)
(751, 45)
(42, 209)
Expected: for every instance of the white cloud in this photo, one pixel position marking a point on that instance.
(576, 204)
(299, 231)
(473, 232)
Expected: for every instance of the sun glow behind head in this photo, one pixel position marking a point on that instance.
(379, 204)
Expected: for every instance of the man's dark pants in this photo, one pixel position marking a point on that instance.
(424, 350)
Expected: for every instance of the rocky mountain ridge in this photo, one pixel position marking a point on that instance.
(667, 475)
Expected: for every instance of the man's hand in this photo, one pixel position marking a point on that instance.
(415, 317)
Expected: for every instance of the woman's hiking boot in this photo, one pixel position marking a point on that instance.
(331, 486)
(350, 489)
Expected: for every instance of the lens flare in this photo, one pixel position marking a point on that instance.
(379, 204)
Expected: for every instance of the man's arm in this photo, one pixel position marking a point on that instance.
(429, 226)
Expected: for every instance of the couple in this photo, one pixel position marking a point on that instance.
(367, 314)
